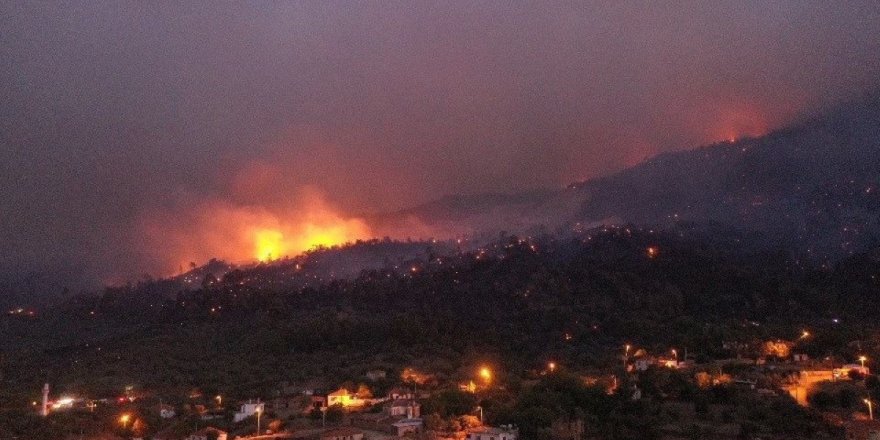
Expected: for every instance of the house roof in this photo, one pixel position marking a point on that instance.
(339, 392)
(408, 422)
(402, 402)
(400, 391)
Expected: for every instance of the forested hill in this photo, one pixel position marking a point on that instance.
(813, 187)
(517, 301)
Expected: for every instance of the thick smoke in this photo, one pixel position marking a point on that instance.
(128, 121)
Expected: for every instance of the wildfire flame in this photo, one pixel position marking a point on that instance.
(242, 233)
(272, 244)
(269, 243)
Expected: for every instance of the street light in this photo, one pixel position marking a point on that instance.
(862, 359)
(219, 400)
(551, 366)
(124, 420)
(486, 374)
(805, 334)
(259, 411)
(870, 408)
(481, 413)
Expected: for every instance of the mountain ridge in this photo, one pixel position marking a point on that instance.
(812, 186)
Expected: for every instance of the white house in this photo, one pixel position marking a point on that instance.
(375, 375)
(408, 425)
(344, 398)
(248, 409)
(491, 433)
(166, 411)
(403, 407)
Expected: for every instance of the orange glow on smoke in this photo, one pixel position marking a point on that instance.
(246, 233)
(738, 121)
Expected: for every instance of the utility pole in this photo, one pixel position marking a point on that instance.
(44, 410)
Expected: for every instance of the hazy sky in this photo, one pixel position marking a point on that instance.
(125, 126)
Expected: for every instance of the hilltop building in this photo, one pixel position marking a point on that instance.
(247, 410)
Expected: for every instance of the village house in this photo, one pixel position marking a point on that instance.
(212, 414)
(316, 402)
(643, 363)
(490, 433)
(375, 375)
(166, 411)
(400, 393)
(776, 348)
(844, 371)
(403, 407)
(208, 434)
(343, 433)
(800, 357)
(399, 417)
(408, 426)
(247, 410)
(344, 398)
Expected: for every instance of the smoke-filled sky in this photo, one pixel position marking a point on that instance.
(139, 135)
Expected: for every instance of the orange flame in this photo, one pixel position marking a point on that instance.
(245, 233)
(269, 243)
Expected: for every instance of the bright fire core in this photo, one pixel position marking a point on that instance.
(269, 244)
(272, 243)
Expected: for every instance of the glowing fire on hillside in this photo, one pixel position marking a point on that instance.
(274, 243)
(737, 121)
(246, 233)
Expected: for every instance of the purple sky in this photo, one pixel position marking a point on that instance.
(119, 114)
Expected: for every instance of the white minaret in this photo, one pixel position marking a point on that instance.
(44, 410)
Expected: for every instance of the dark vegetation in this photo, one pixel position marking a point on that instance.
(513, 304)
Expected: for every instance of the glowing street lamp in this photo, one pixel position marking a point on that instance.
(219, 399)
(862, 359)
(551, 366)
(124, 420)
(805, 334)
(486, 374)
(259, 411)
(870, 408)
